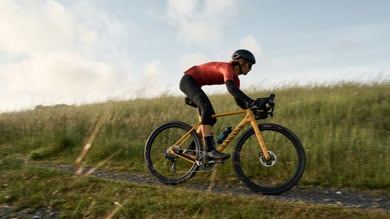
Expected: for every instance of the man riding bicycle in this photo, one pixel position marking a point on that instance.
(213, 73)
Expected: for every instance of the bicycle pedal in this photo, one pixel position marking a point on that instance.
(222, 160)
(217, 161)
(211, 162)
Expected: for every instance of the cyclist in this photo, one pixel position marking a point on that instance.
(213, 73)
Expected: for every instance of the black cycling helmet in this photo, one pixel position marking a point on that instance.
(244, 54)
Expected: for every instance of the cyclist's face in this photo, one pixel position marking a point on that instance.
(246, 67)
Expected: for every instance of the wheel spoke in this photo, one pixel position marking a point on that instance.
(167, 167)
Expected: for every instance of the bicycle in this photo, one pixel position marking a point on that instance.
(268, 158)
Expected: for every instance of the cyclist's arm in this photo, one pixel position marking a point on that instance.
(241, 104)
(242, 99)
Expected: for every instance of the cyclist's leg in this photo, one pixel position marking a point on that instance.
(199, 97)
(206, 112)
(191, 89)
(195, 93)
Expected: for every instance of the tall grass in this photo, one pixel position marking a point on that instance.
(344, 129)
(26, 188)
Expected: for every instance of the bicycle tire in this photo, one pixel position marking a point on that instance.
(156, 147)
(278, 178)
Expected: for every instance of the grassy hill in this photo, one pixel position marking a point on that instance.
(345, 130)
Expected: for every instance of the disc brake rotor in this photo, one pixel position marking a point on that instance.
(270, 162)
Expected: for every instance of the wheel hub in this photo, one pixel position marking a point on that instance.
(265, 162)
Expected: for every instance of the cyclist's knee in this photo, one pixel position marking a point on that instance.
(208, 120)
(213, 121)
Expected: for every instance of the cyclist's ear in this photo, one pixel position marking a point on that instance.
(241, 61)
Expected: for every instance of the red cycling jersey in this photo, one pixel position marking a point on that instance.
(213, 73)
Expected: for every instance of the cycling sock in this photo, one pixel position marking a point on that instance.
(210, 144)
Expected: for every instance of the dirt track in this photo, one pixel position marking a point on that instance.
(312, 195)
(336, 196)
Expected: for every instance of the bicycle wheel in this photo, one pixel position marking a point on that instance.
(269, 178)
(168, 168)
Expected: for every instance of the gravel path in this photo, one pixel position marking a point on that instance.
(321, 195)
(344, 197)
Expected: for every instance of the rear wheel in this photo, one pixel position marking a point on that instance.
(168, 168)
(275, 176)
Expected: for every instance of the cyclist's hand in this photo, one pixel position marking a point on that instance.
(250, 105)
(259, 102)
(255, 104)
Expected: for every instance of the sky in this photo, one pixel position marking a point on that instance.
(85, 51)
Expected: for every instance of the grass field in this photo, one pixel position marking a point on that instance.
(344, 130)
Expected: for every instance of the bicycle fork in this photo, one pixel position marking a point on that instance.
(260, 140)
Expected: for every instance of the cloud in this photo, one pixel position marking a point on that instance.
(53, 77)
(192, 59)
(199, 21)
(28, 27)
(152, 70)
(180, 7)
(249, 42)
(56, 53)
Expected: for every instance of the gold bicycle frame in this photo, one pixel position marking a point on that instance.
(249, 118)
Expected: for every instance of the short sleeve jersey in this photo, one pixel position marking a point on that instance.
(213, 73)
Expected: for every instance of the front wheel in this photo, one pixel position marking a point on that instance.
(168, 168)
(274, 176)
